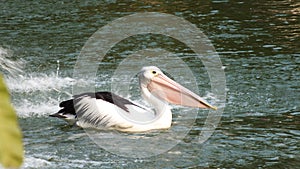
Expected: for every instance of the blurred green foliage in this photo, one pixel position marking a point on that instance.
(11, 146)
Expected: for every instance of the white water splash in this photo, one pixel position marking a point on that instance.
(7, 65)
(38, 82)
(33, 162)
(28, 108)
(39, 94)
(34, 94)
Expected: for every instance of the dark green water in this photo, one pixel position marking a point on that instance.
(258, 43)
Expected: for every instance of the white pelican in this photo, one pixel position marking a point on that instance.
(105, 110)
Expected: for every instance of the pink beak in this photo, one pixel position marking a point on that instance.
(165, 88)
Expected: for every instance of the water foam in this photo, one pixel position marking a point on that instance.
(38, 94)
(28, 108)
(7, 65)
(38, 82)
(33, 162)
(34, 94)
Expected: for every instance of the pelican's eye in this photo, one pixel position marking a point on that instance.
(154, 72)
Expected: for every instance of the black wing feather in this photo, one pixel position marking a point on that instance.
(109, 97)
(68, 105)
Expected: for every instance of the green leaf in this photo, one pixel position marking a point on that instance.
(11, 147)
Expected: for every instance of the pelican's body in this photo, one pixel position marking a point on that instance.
(105, 110)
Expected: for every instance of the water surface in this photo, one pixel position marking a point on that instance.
(258, 43)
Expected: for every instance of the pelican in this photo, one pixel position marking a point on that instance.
(105, 110)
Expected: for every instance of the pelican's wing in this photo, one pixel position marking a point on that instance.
(107, 110)
(116, 100)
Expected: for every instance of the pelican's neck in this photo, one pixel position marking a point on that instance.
(162, 110)
(159, 105)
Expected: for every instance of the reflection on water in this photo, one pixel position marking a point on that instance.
(258, 43)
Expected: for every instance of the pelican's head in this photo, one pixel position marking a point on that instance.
(155, 82)
(147, 74)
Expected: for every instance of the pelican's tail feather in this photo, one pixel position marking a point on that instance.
(67, 112)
